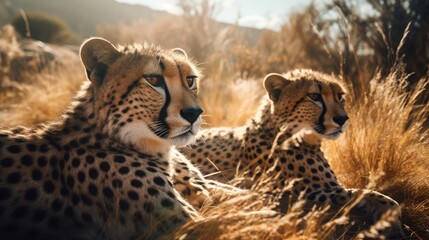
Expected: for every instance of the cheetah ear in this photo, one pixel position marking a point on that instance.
(96, 55)
(180, 51)
(274, 83)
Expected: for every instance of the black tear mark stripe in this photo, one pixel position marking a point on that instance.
(163, 113)
(322, 115)
(297, 103)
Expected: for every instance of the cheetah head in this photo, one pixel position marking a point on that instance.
(144, 95)
(307, 100)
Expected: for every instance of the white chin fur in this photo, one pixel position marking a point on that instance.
(181, 141)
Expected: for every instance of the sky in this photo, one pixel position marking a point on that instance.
(253, 13)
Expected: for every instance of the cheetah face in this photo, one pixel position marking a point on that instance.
(304, 99)
(145, 96)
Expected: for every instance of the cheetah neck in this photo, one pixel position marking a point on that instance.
(80, 124)
(260, 132)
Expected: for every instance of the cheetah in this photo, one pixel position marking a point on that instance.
(104, 169)
(301, 99)
(303, 107)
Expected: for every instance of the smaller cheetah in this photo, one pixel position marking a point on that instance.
(303, 107)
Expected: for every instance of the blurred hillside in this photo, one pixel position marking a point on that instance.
(81, 15)
(84, 16)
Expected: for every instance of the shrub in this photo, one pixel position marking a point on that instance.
(43, 27)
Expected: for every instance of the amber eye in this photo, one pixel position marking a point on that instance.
(154, 80)
(316, 97)
(191, 81)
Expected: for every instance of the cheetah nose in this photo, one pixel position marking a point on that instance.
(340, 120)
(191, 114)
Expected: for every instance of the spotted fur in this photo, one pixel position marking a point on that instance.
(284, 140)
(104, 169)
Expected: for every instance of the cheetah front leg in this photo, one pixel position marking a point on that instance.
(381, 212)
(193, 186)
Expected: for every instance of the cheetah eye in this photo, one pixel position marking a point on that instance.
(315, 97)
(153, 80)
(341, 97)
(191, 81)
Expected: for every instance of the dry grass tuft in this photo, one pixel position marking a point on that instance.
(386, 148)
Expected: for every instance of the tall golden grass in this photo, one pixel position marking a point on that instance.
(385, 147)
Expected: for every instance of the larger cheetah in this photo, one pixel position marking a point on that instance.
(103, 170)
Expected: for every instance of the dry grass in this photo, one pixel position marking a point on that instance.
(384, 145)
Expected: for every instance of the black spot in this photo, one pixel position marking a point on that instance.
(119, 159)
(86, 200)
(108, 192)
(26, 160)
(75, 162)
(135, 164)
(70, 181)
(42, 161)
(133, 195)
(315, 178)
(322, 198)
(81, 176)
(299, 156)
(66, 157)
(6, 162)
(56, 205)
(166, 203)
(93, 173)
(84, 140)
(80, 151)
(105, 167)
(159, 181)
(124, 170)
(283, 160)
(14, 178)
(310, 161)
(48, 187)
(31, 194)
(36, 174)
(53, 161)
(44, 148)
(140, 173)
(136, 183)
(289, 152)
(152, 191)
(152, 170)
(20, 212)
(301, 169)
(89, 159)
(124, 205)
(39, 215)
(290, 166)
(92, 189)
(86, 217)
(75, 199)
(14, 149)
(31, 147)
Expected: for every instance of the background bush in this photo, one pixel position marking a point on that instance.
(43, 27)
